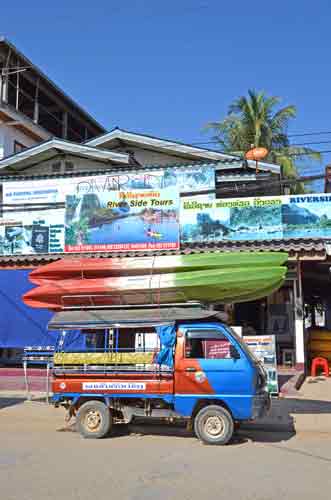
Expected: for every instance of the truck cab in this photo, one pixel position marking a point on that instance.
(170, 363)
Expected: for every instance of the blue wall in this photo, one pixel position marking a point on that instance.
(20, 325)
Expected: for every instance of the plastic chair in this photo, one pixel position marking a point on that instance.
(320, 363)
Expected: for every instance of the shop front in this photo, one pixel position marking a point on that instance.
(155, 212)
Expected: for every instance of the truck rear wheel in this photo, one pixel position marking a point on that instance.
(94, 420)
(214, 425)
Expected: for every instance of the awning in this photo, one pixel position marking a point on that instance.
(129, 318)
(298, 249)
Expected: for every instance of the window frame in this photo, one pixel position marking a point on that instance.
(205, 334)
(19, 147)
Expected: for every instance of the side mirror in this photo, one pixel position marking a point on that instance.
(233, 352)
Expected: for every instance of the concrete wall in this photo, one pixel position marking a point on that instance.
(83, 165)
(8, 135)
(80, 165)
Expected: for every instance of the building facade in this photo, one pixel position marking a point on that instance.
(45, 136)
(34, 109)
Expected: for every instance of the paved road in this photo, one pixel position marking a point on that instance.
(41, 459)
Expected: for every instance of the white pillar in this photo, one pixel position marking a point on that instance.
(299, 321)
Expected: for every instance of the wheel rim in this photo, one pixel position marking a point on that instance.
(214, 426)
(93, 420)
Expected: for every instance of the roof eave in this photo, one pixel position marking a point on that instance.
(67, 147)
(57, 89)
(172, 147)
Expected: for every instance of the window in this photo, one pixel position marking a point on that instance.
(68, 166)
(56, 167)
(95, 339)
(209, 344)
(18, 147)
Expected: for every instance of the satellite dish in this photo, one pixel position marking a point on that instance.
(256, 154)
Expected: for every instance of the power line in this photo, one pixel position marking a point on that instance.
(293, 144)
(254, 189)
(309, 133)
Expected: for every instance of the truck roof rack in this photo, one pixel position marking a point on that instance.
(130, 317)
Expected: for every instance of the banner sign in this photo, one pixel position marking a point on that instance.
(251, 219)
(138, 211)
(141, 211)
(122, 220)
(32, 231)
(264, 349)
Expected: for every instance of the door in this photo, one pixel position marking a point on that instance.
(209, 362)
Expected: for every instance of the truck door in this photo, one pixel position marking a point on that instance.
(209, 362)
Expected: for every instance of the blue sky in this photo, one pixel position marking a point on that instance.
(167, 68)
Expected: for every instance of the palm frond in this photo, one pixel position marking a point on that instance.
(255, 119)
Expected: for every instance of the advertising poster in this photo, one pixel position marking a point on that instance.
(189, 179)
(122, 220)
(264, 349)
(32, 231)
(98, 216)
(306, 216)
(183, 179)
(253, 219)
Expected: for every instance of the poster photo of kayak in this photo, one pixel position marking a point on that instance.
(122, 220)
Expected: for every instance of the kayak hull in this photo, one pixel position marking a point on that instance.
(93, 268)
(226, 285)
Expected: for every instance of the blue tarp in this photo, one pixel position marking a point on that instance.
(69, 340)
(22, 326)
(167, 336)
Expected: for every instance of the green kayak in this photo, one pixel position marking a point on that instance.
(90, 268)
(224, 285)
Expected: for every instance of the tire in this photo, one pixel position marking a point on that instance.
(214, 425)
(94, 420)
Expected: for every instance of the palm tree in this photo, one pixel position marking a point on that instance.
(253, 121)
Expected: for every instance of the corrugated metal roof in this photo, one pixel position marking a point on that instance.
(121, 169)
(304, 249)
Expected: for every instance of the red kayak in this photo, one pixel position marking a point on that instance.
(91, 268)
(213, 285)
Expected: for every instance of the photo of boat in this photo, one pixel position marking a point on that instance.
(145, 218)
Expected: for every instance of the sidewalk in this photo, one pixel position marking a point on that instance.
(308, 411)
(12, 379)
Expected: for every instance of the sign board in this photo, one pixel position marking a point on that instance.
(256, 218)
(217, 349)
(264, 349)
(122, 220)
(112, 212)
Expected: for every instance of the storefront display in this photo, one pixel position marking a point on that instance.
(264, 348)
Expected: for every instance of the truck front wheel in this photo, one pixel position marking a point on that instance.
(94, 420)
(214, 425)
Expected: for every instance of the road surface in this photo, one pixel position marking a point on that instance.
(43, 459)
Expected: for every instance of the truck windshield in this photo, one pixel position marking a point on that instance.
(243, 345)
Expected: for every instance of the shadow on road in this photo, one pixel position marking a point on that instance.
(278, 426)
(259, 436)
(7, 402)
(169, 430)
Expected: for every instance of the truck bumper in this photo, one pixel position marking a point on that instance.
(261, 405)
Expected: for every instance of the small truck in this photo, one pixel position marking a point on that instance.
(175, 363)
